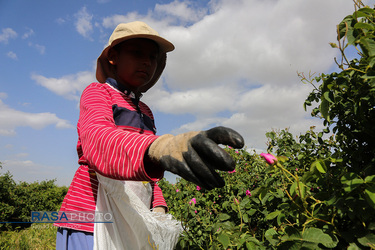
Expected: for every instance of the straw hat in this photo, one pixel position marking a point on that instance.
(126, 31)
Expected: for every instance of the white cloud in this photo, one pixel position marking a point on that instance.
(243, 57)
(112, 21)
(9, 146)
(69, 86)
(7, 34)
(253, 40)
(198, 101)
(199, 124)
(30, 171)
(60, 20)
(184, 11)
(83, 23)
(40, 48)
(11, 119)
(12, 55)
(27, 34)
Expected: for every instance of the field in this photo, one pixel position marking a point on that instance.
(37, 237)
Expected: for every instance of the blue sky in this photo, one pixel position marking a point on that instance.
(235, 65)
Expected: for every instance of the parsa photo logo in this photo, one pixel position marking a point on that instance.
(71, 217)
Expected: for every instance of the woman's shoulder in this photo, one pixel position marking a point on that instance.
(98, 87)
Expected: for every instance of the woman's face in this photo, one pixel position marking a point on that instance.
(135, 61)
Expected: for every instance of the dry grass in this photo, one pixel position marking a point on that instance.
(38, 237)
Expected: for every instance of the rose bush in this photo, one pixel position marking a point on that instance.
(312, 191)
(297, 202)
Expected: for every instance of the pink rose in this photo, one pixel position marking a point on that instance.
(198, 188)
(270, 159)
(193, 201)
(232, 171)
(177, 190)
(248, 193)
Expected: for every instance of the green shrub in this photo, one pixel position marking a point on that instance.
(305, 200)
(17, 201)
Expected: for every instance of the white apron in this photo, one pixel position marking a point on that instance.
(134, 225)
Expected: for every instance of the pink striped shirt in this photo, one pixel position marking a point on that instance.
(114, 132)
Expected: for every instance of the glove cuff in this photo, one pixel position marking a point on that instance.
(170, 145)
(155, 151)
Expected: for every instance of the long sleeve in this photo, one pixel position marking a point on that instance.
(109, 149)
(157, 197)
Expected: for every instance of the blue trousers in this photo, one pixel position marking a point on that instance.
(70, 239)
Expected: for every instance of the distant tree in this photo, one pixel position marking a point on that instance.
(17, 201)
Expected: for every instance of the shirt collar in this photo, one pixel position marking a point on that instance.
(121, 88)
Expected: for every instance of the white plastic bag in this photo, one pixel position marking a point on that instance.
(134, 225)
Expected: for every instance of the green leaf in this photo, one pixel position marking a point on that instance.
(273, 215)
(324, 108)
(334, 160)
(342, 29)
(371, 64)
(370, 195)
(282, 158)
(367, 10)
(367, 240)
(245, 218)
(371, 226)
(348, 177)
(328, 96)
(316, 235)
(368, 46)
(293, 189)
(280, 219)
(292, 245)
(251, 211)
(224, 240)
(272, 236)
(351, 181)
(292, 233)
(263, 194)
(251, 246)
(223, 217)
(363, 12)
(353, 246)
(364, 26)
(334, 243)
(320, 166)
(245, 201)
(266, 198)
(370, 179)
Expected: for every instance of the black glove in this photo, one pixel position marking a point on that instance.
(195, 155)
